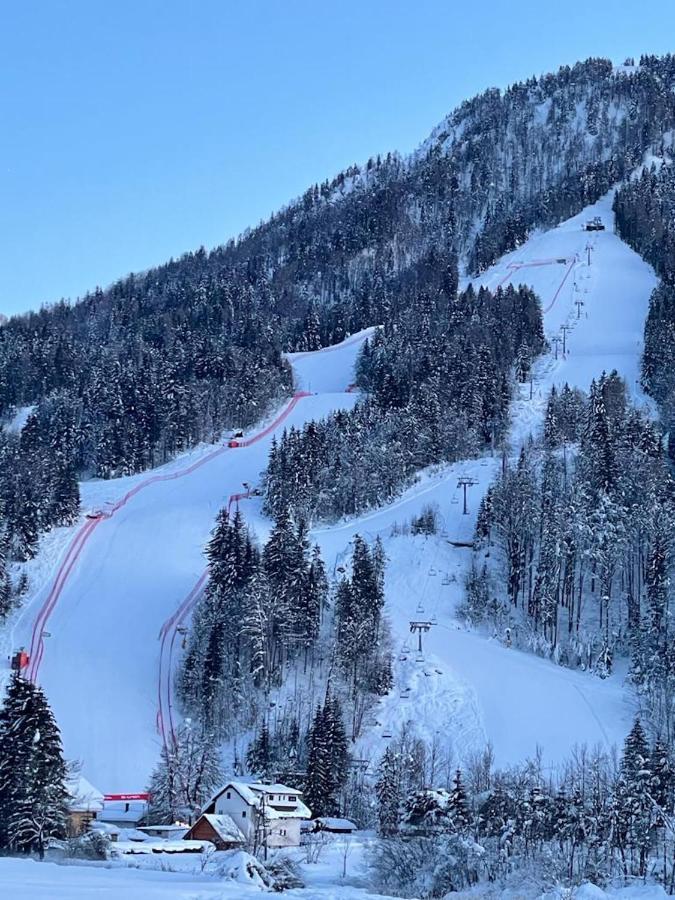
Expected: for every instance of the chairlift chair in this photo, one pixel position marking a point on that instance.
(433, 571)
(420, 608)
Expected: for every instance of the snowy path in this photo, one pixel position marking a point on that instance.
(94, 627)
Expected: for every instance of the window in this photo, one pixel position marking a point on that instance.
(229, 795)
(243, 813)
(291, 799)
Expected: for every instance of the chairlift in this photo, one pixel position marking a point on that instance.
(433, 571)
(434, 620)
(420, 658)
(455, 500)
(446, 579)
(405, 648)
(402, 658)
(427, 674)
(444, 532)
(420, 608)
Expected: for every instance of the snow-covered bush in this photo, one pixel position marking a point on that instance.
(90, 845)
(426, 866)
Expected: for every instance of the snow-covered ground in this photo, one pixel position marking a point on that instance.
(101, 649)
(26, 878)
(337, 875)
(98, 644)
(605, 332)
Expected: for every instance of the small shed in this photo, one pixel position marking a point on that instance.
(219, 829)
(330, 825)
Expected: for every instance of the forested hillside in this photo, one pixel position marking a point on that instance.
(159, 361)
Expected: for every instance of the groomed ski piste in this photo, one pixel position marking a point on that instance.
(109, 595)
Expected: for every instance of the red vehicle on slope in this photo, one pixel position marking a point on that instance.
(20, 660)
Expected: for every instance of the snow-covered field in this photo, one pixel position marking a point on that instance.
(26, 878)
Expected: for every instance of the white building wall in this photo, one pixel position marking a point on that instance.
(238, 809)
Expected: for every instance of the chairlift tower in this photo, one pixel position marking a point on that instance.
(465, 481)
(419, 628)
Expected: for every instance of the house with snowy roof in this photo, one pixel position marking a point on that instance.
(85, 803)
(269, 814)
(219, 830)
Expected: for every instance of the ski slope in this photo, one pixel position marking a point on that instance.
(604, 332)
(110, 595)
(467, 689)
(93, 626)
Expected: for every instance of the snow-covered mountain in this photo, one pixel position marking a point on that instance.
(425, 308)
(104, 590)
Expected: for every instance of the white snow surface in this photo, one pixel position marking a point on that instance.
(101, 659)
(101, 651)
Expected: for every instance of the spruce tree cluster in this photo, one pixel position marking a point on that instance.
(33, 794)
(438, 385)
(259, 611)
(582, 529)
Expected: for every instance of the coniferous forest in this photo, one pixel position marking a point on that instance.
(288, 655)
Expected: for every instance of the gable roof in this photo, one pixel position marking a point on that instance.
(252, 792)
(83, 796)
(223, 825)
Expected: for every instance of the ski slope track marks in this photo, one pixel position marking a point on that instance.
(123, 571)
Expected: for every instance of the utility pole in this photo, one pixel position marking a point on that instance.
(578, 304)
(465, 481)
(588, 249)
(419, 628)
(564, 329)
(556, 340)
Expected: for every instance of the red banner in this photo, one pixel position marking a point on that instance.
(126, 796)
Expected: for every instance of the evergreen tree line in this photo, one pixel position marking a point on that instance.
(262, 611)
(438, 384)
(597, 819)
(38, 489)
(581, 530)
(34, 799)
(316, 762)
(165, 359)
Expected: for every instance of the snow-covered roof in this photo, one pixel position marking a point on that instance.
(253, 791)
(225, 827)
(333, 823)
(159, 846)
(83, 796)
(117, 811)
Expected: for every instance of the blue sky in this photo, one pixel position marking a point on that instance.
(133, 131)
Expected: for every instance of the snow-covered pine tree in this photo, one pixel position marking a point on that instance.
(33, 793)
(388, 792)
